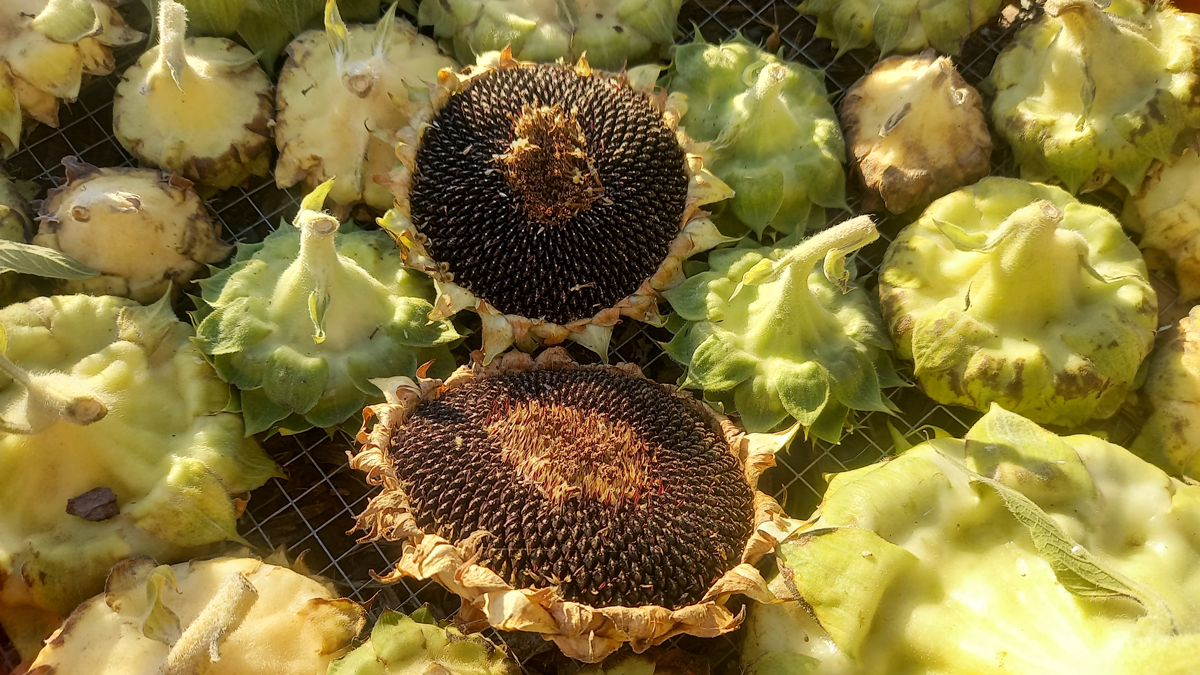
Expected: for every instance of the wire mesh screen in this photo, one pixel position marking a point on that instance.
(312, 510)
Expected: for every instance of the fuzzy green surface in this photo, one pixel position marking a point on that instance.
(613, 33)
(301, 330)
(777, 336)
(1085, 93)
(404, 645)
(774, 135)
(904, 26)
(992, 301)
(167, 448)
(1010, 552)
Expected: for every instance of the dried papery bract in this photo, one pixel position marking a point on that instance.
(1087, 94)
(768, 130)
(46, 47)
(198, 107)
(144, 231)
(1017, 293)
(916, 131)
(236, 616)
(344, 96)
(1012, 550)
(560, 531)
(116, 442)
(558, 233)
(904, 27)
(614, 34)
(786, 335)
(303, 321)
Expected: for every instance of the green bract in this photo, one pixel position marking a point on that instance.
(1016, 293)
(1011, 552)
(303, 321)
(403, 645)
(1085, 93)
(774, 135)
(904, 26)
(613, 33)
(780, 338)
(1171, 436)
(116, 442)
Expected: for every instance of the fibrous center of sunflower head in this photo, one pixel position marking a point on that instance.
(567, 451)
(547, 164)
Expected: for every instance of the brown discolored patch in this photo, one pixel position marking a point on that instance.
(567, 451)
(94, 505)
(549, 166)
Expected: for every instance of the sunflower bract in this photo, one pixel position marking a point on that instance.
(774, 135)
(613, 33)
(1010, 551)
(301, 322)
(781, 339)
(1087, 94)
(414, 645)
(1016, 293)
(116, 443)
(905, 26)
(235, 616)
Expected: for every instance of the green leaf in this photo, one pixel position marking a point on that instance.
(40, 261)
(1074, 566)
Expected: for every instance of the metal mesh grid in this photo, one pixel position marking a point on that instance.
(312, 509)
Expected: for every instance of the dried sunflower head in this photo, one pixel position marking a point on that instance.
(46, 48)
(550, 199)
(585, 503)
